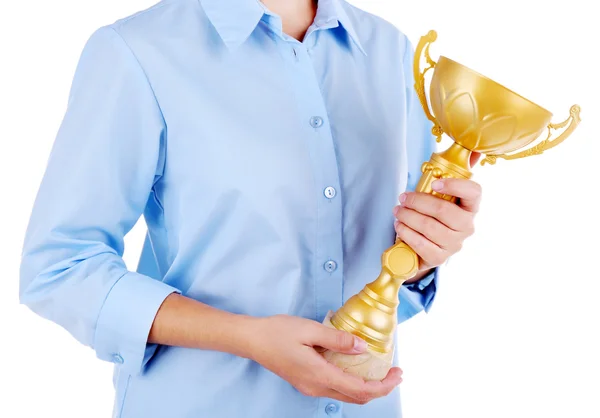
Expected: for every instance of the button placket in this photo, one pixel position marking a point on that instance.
(322, 151)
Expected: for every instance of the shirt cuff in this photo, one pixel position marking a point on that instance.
(418, 296)
(126, 318)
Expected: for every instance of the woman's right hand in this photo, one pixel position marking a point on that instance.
(288, 346)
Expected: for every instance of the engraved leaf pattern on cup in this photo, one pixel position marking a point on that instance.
(491, 132)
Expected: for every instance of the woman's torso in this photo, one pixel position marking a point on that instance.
(281, 165)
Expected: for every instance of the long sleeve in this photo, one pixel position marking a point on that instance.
(105, 160)
(416, 297)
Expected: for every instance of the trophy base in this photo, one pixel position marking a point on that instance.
(370, 365)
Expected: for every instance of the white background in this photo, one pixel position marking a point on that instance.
(515, 329)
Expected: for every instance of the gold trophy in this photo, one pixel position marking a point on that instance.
(479, 115)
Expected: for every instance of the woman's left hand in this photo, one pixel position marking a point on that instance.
(436, 228)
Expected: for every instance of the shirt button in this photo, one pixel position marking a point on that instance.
(316, 121)
(330, 266)
(117, 359)
(331, 409)
(329, 192)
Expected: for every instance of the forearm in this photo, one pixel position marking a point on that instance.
(185, 322)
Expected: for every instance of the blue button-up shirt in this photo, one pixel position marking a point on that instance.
(266, 170)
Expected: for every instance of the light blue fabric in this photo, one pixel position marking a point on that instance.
(266, 169)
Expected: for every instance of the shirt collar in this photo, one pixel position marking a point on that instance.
(332, 13)
(235, 20)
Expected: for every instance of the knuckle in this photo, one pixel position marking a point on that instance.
(313, 393)
(400, 233)
(302, 389)
(308, 391)
(343, 340)
(431, 227)
(477, 190)
(437, 258)
(415, 240)
(363, 396)
(324, 381)
(466, 227)
(440, 208)
(398, 226)
(448, 235)
(470, 230)
(400, 212)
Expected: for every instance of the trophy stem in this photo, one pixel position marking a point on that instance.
(372, 313)
(452, 163)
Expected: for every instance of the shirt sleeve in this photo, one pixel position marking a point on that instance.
(102, 167)
(419, 296)
(420, 144)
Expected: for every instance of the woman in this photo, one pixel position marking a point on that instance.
(266, 145)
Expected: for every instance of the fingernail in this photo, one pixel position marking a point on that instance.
(402, 197)
(359, 345)
(396, 209)
(437, 185)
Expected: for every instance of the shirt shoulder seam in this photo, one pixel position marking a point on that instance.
(145, 74)
(157, 6)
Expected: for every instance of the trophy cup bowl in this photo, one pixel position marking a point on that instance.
(479, 115)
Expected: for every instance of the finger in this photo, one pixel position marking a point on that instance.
(334, 340)
(429, 227)
(381, 389)
(388, 384)
(330, 393)
(431, 254)
(364, 391)
(448, 213)
(467, 191)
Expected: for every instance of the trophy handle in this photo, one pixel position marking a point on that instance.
(423, 49)
(571, 123)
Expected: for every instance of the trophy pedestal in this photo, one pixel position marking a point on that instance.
(370, 365)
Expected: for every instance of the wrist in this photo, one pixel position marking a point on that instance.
(244, 335)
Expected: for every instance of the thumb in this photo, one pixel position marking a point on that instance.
(338, 341)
